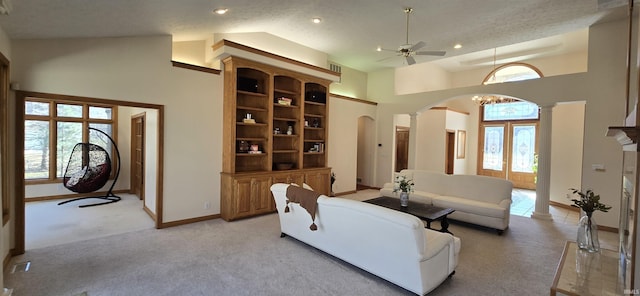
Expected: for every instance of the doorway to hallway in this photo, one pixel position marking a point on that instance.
(402, 148)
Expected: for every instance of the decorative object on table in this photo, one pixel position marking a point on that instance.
(243, 147)
(404, 185)
(589, 202)
(276, 131)
(316, 122)
(248, 119)
(284, 101)
(255, 149)
(290, 130)
(306, 123)
(317, 147)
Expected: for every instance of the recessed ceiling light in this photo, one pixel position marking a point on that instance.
(379, 48)
(221, 11)
(316, 20)
(457, 46)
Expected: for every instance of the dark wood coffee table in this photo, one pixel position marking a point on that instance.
(423, 211)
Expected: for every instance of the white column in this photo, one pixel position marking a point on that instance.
(544, 165)
(413, 131)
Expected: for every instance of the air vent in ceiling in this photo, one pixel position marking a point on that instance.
(336, 68)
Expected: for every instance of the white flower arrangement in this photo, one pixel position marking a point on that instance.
(403, 184)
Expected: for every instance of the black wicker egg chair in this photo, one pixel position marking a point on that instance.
(88, 170)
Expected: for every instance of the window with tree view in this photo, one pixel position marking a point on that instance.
(53, 127)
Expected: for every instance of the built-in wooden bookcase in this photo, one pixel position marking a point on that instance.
(251, 120)
(286, 122)
(275, 130)
(315, 130)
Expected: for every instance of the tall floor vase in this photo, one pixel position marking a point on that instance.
(588, 233)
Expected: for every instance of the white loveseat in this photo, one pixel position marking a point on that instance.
(390, 244)
(480, 200)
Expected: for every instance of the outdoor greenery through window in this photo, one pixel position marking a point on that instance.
(53, 127)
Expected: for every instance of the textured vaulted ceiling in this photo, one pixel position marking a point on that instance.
(350, 31)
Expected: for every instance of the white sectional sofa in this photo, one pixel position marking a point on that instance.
(390, 244)
(480, 200)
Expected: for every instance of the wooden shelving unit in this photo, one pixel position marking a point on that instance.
(285, 114)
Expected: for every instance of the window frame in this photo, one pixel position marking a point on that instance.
(494, 71)
(54, 119)
(4, 139)
(483, 120)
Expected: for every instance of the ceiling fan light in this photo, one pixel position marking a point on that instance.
(316, 20)
(379, 48)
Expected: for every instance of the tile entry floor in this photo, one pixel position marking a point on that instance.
(523, 203)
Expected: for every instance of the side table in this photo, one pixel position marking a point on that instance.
(581, 273)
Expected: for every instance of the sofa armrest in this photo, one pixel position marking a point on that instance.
(434, 242)
(387, 190)
(505, 203)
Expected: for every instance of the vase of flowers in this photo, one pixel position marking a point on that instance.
(404, 185)
(589, 202)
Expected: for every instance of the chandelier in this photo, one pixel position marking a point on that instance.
(491, 99)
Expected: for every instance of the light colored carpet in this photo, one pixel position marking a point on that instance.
(48, 224)
(248, 257)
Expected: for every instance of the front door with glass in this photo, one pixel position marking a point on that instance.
(508, 143)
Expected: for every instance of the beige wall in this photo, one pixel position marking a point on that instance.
(353, 84)
(575, 62)
(432, 77)
(605, 107)
(470, 163)
(365, 166)
(190, 52)
(276, 45)
(430, 137)
(138, 69)
(432, 129)
(567, 136)
(343, 141)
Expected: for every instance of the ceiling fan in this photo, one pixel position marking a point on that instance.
(408, 50)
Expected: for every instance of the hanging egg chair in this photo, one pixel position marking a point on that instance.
(88, 170)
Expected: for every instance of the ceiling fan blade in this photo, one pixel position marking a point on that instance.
(411, 60)
(386, 49)
(417, 46)
(432, 53)
(384, 59)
